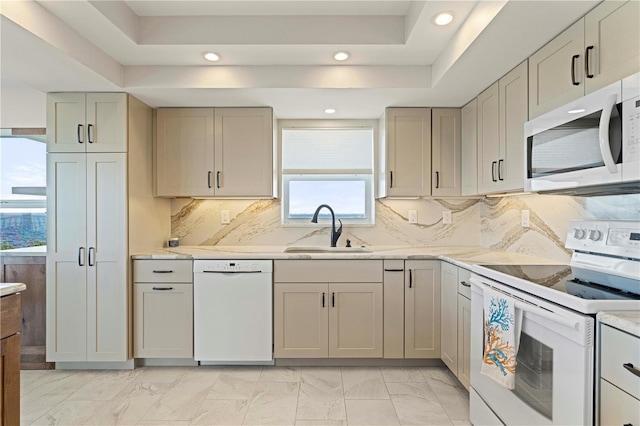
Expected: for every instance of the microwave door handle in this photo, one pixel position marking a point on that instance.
(605, 148)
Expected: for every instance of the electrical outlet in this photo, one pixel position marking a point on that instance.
(524, 218)
(446, 217)
(224, 217)
(413, 216)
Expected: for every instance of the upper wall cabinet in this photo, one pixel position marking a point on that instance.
(445, 138)
(205, 152)
(87, 122)
(599, 49)
(501, 114)
(408, 152)
(469, 148)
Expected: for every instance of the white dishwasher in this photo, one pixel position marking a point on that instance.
(232, 311)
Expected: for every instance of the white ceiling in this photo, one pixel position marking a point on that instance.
(276, 53)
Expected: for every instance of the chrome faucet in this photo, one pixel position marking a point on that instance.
(335, 233)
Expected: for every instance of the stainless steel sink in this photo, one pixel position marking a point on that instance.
(321, 249)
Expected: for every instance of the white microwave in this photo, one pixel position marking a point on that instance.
(588, 147)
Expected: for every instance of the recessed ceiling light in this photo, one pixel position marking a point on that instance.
(330, 111)
(210, 56)
(576, 111)
(443, 18)
(341, 56)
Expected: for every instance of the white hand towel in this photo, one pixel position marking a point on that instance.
(502, 325)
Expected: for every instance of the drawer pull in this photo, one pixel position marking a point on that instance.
(632, 369)
(159, 271)
(163, 288)
(464, 283)
(394, 270)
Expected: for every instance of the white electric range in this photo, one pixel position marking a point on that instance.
(555, 372)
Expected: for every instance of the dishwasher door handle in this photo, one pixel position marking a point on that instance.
(231, 272)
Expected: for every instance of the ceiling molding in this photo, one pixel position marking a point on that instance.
(318, 77)
(118, 13)
(271, 30)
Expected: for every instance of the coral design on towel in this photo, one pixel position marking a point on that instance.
(497, 350)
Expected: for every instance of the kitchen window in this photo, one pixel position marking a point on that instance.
(327, 163)
(23, 182)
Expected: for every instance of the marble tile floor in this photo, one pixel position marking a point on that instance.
(307, 396)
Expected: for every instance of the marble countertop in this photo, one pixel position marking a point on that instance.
(10, 288)
(628, 321)
(25, 251)
(461, 256)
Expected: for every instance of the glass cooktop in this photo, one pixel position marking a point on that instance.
(562, 278)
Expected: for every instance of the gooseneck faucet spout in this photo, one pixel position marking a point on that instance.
(335, 233)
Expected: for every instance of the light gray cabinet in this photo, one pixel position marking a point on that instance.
(502, 110)
(163, 309)
(87, 122)
(469, 149)
(446, 146)
(328, 308)
(422, 309)
(226, 152)
(408, 152)
(599, 49)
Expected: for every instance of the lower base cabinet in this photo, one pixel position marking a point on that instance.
(163, 309)
(164, 320)
(456, 321)
(338, 320)
(422, 309)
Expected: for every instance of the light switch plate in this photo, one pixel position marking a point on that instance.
(446, 217)
(413, 216)
(524, 218)
(224, 217)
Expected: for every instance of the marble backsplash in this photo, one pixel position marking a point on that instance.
(488, 222)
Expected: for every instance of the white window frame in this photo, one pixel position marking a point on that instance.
(369, 179)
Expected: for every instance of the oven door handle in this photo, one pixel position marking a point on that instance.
(558, 319)
(605, 120)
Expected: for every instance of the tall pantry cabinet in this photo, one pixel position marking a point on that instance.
(96, 209)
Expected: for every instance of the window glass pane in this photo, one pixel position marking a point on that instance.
(346, 198)
(23, 181)
(333, 149)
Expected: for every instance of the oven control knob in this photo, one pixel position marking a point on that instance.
(579, 234)
(595, 235)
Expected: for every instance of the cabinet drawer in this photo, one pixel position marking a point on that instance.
(618, 348)
(617, 407)
(163, 271)
(10, 315)
(325, 271)
(464, 275)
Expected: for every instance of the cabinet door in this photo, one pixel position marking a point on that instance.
(66, 257)
(107, 257)
(464, 341)
(488, 139)
(301, 320)
(408, 151)
(244, 152)
(10, 380)
(512, 89)
(449, 317)
(184, 152)
(355, 320)
(66, 129)
(106, 119)
(445, 133)
(617, 407)
(163, 320)
(612, 43)
(550, 79)
(422, 309)
(469, 151)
